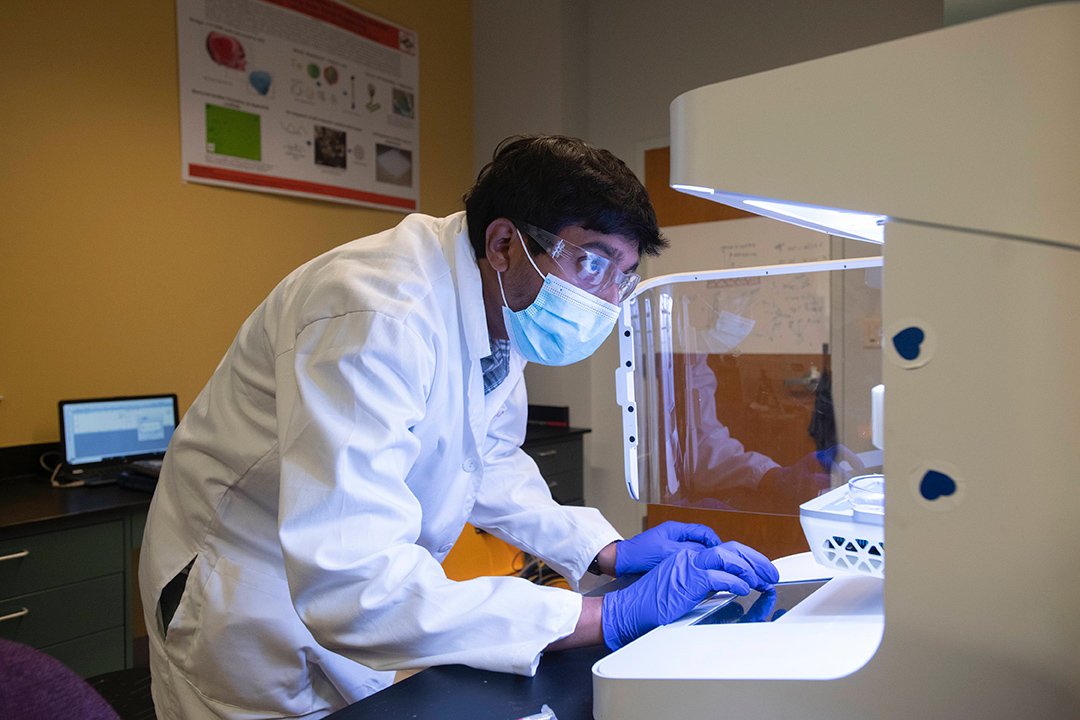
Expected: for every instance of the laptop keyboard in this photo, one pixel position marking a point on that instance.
(150, 465)
(98, 473)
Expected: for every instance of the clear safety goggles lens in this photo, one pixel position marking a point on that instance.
(591, 272)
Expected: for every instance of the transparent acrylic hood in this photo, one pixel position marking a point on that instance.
(749, 389)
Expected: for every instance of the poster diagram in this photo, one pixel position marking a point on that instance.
(312, 98)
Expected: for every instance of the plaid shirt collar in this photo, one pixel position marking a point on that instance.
(496, 366)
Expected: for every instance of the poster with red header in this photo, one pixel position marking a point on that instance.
(311, 98)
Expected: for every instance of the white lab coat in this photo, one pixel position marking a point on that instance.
(323, 474)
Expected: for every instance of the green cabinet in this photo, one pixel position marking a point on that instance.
(52, 559)
(67, 580)
(60, 614)
(68, 592)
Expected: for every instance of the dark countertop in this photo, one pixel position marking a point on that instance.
(26, 499)
(563, 682)
(540, 433)
(455, 692)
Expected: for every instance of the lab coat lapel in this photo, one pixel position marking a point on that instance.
(470, 296)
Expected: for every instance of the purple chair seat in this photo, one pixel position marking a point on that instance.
(36, 686)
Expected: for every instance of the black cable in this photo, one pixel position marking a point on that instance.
(537, 571)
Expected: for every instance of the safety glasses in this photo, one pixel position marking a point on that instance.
(591, 272)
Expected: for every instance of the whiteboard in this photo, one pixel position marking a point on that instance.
(790, 313)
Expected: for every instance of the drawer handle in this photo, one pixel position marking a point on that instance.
(14, 615)
(547, 453)
(15, 556)
(553, 484)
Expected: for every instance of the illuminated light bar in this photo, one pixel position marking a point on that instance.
(852, 224)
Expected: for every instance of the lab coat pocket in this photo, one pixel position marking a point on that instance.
(250, 648)
(185, 614)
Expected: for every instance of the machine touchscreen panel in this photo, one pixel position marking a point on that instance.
(761, 607)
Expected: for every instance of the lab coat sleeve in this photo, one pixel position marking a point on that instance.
(349, 525)
(515, 504)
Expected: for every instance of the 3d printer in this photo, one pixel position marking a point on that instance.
(958, 151)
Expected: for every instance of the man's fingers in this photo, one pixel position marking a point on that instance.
(718, 558)
(699, 534)
(842, 453)
(762, 566)
(720, 581)
(691, 546)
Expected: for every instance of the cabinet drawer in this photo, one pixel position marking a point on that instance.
(565, 487)
(555, 458)
(54, 616)
(92, 655)
(138, 525)
(47, 560)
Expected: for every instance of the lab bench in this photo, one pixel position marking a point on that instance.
(563, 682)
(66, 570)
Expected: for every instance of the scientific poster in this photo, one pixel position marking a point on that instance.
(312, 98)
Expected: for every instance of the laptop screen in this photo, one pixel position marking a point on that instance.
(96, 430)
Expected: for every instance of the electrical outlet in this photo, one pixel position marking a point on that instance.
(871, 332)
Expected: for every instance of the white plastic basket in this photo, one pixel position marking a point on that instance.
(843, 538)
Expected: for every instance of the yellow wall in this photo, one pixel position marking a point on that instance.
(116, 278)
(476, 554)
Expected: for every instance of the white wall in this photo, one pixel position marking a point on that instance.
(607, 70)
(528, 61)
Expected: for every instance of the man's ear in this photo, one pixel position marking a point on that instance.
(497, 243)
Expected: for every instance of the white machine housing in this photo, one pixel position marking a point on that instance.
(959, 149)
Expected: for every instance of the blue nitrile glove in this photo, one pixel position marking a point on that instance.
(646, 550)
(765, 571)
(675, 586)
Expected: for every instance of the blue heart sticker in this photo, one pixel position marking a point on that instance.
(936, 484)
(908, 341)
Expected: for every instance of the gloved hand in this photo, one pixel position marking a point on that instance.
(676, 585)
(646, 550)
(783, 489)
(831, 460)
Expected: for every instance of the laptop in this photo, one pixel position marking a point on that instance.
(106, 437)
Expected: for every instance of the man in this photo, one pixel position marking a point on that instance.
(370, 407)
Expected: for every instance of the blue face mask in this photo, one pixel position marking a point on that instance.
(563, 324)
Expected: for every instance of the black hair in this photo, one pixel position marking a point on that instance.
(553, 182)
